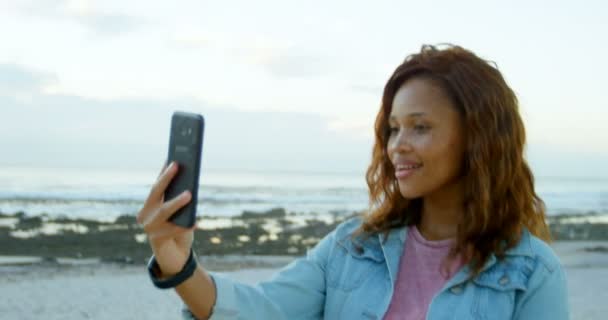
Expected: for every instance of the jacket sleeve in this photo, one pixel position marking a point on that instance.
(297, 291)
(548, 300)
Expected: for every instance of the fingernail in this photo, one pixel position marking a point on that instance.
(185, 194)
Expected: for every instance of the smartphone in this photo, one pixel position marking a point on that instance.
(185, 148)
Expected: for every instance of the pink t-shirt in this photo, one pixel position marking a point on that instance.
(420, 276)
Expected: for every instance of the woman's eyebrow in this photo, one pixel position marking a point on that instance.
(409, 115)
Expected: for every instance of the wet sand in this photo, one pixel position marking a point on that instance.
(96, 290)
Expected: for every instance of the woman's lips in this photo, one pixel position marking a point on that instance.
(404, 171)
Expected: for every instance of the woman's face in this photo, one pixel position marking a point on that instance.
(426, 142)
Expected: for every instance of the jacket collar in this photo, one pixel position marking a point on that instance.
(393, 250)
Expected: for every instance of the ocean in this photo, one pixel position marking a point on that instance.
(106, 194)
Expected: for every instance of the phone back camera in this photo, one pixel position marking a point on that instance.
(186, 132)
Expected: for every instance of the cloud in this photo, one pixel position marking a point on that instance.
(551, 160)
(373, 90)
(282, 60)
(83, 12)
(196, 40)
(296, 65)
(16, 79)
(285, 60)
(109, 24)
(71, 131)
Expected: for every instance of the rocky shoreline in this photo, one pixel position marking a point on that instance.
(271, 233)
(122, 241)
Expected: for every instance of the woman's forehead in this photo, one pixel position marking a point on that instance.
(419, 98)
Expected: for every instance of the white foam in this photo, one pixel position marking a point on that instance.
(8, 222)
(585, 219)
(4, 260)
(219, 223)
(50, 228)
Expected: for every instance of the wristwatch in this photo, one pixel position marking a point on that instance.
(175, 280)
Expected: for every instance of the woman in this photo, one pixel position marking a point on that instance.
(455, 229)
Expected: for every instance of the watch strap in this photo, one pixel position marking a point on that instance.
(175, 280)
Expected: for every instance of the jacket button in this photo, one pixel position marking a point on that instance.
(504, 280)
(456, 290)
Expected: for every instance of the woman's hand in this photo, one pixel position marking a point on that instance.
(170, 243)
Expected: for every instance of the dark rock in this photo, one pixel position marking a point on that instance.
(49, 260)
(579, 231)
(285, 224)
(600, 249)
(28, 223)
(272, 213)
(126, 219)
(119, 245)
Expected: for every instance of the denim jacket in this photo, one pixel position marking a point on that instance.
(335, 280)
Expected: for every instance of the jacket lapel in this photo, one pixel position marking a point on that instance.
(393, 250)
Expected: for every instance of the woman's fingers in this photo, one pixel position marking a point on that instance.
(165, 165)
(152, 200)
(158, 190)
(163, 213)
(171, 206)
(155, 214)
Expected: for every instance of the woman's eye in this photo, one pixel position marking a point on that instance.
(421, 128)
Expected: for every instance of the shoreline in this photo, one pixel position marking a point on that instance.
(84, 291)
(271, 233)
(83, 288)
(576, 254)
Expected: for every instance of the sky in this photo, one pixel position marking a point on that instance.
(283, 85)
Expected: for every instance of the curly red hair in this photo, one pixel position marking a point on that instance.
(499, 194)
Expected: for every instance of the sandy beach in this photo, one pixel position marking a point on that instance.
(60, 268)
(93, 290)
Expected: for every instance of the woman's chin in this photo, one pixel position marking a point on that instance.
(409, 193)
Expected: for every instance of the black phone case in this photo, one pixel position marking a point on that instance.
(185, 148)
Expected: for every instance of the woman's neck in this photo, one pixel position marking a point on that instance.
(441, 214)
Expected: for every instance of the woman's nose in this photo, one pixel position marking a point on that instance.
(400, 142)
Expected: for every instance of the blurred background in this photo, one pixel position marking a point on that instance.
(289, 90)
